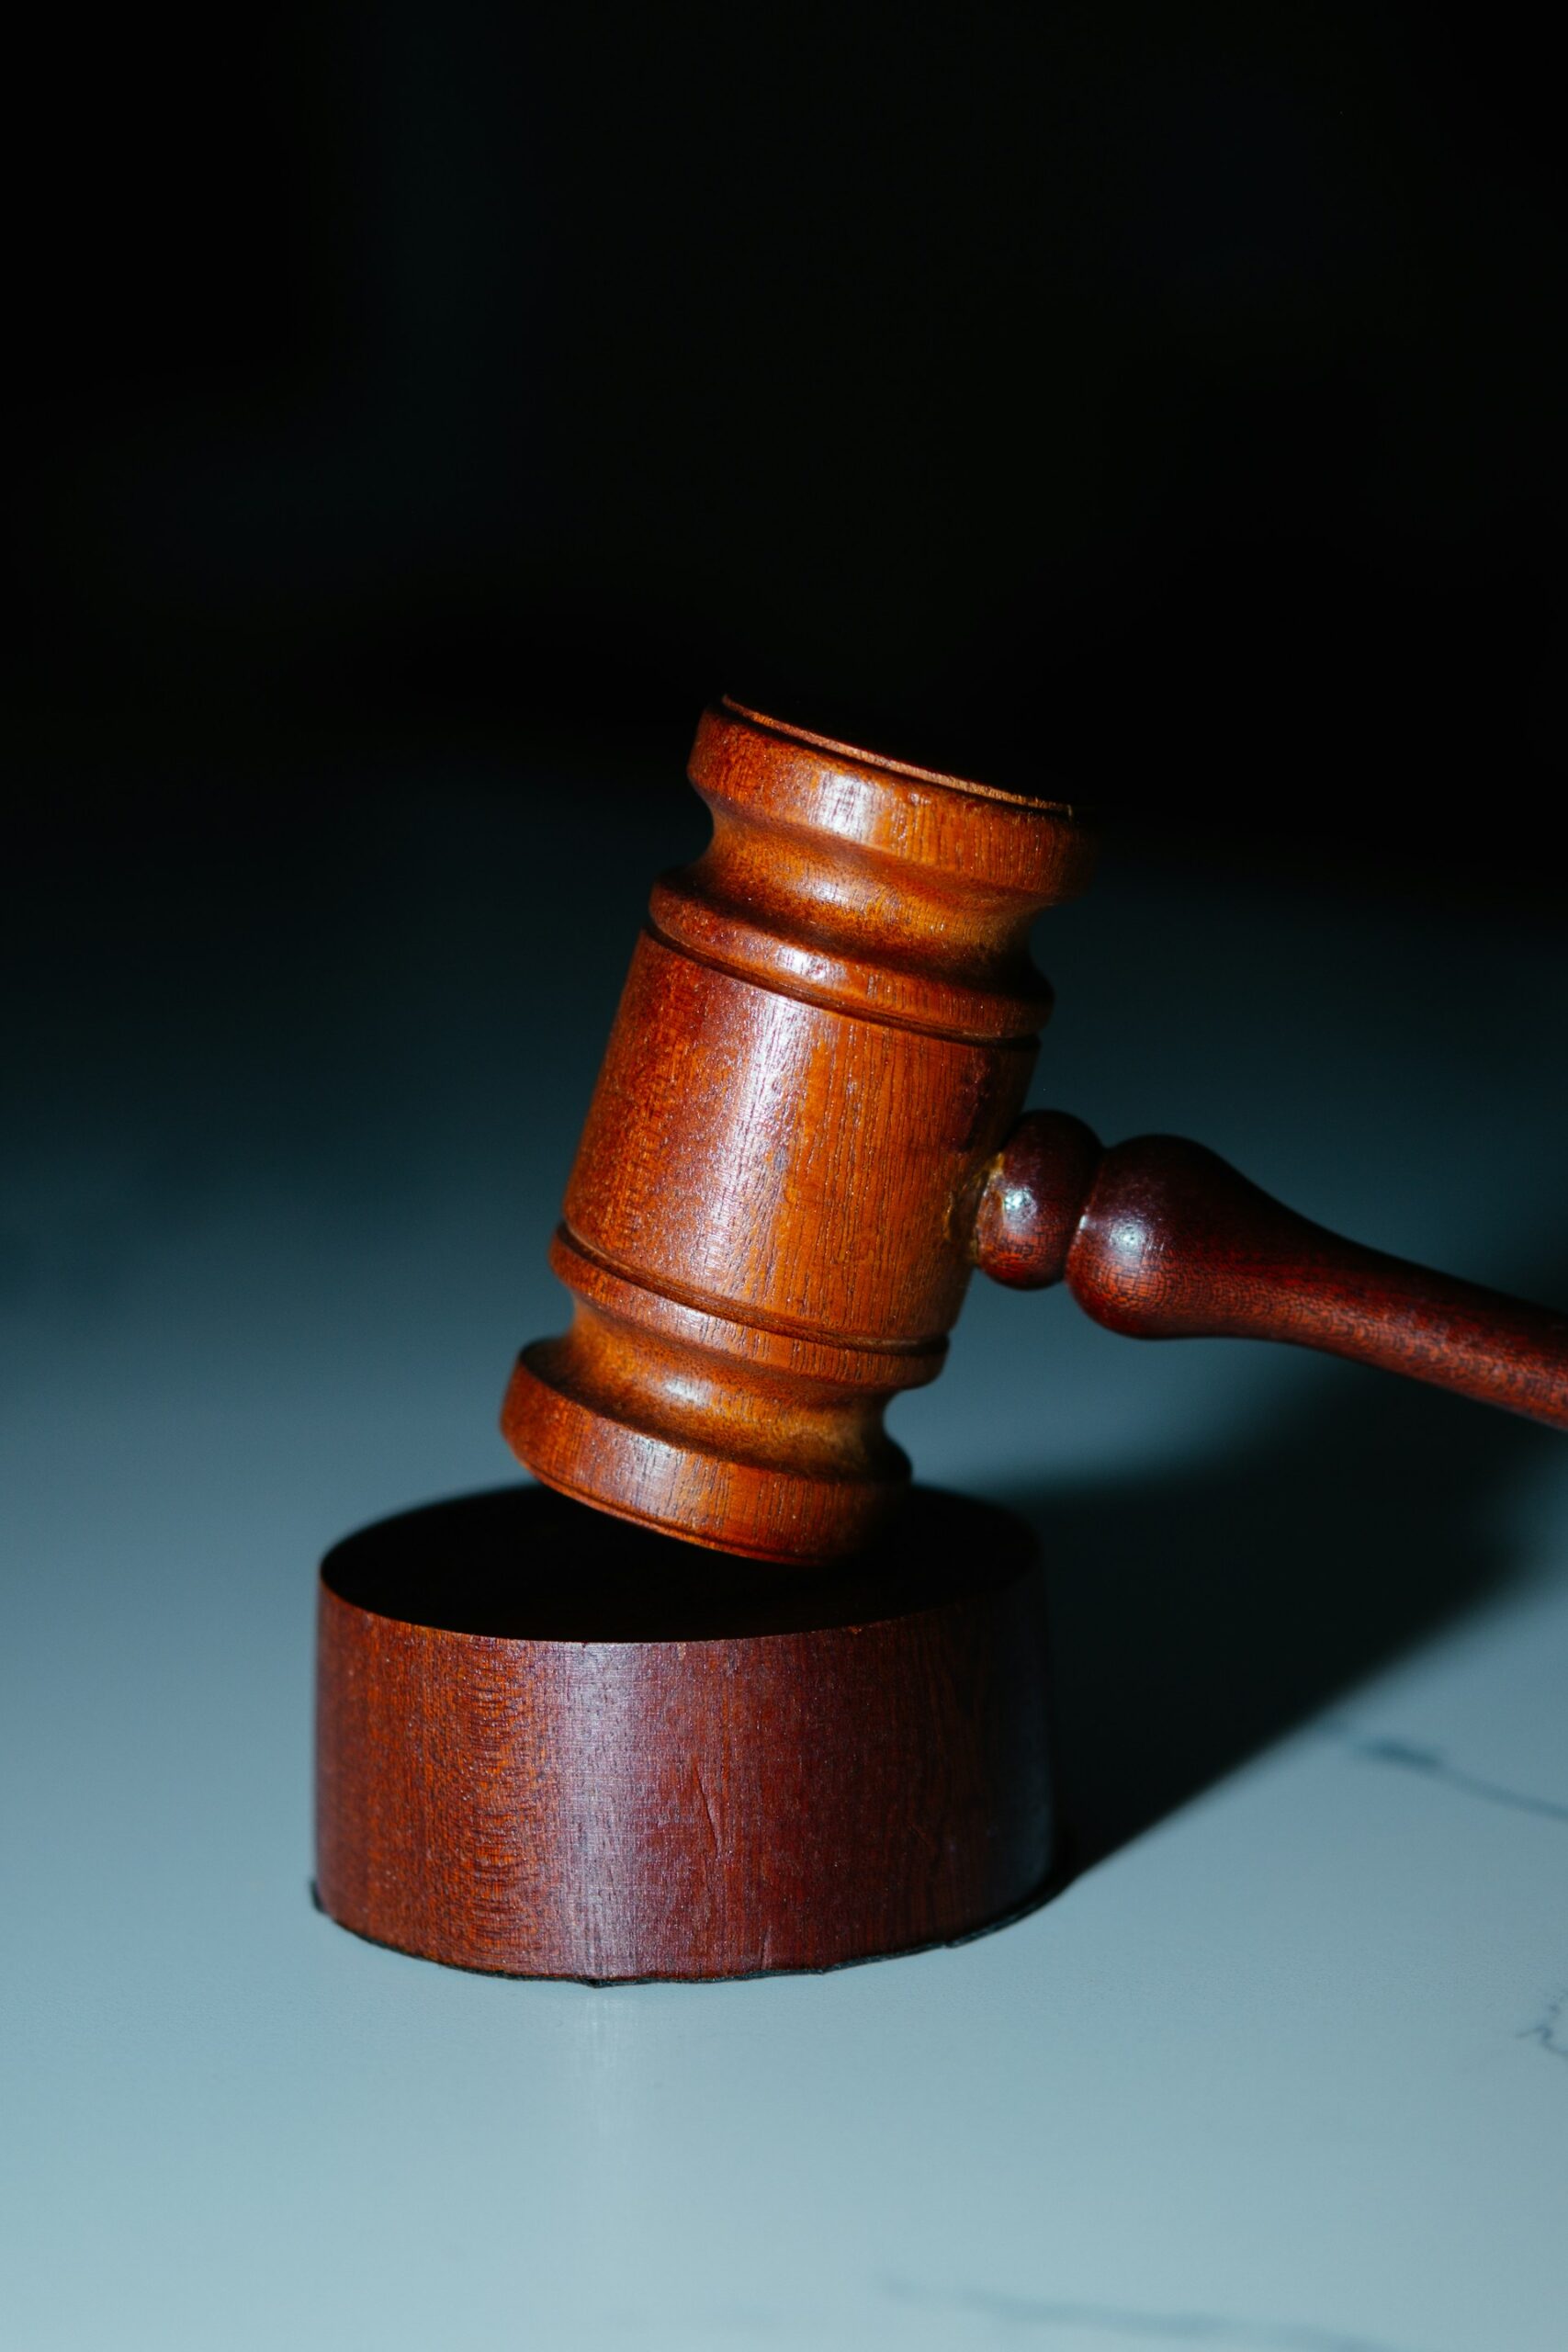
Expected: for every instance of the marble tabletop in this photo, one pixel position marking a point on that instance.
(1284, 2069)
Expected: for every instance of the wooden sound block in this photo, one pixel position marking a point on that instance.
(555, 1744)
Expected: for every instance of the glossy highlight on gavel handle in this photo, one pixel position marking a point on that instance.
(1162, 1239)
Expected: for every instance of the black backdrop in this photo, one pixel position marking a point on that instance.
(1162, 401)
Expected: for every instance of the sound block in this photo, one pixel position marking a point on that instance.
(554, 1744)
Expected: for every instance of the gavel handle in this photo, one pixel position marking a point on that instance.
(1162, 1239)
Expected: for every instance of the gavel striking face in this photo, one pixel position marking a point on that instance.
(806, 1135)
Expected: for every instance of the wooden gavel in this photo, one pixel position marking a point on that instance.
(807, 1134)
(552, 1741)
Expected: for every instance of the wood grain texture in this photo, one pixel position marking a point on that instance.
(825, 1037)
(551, 1744)
(1161, 1239)
(803, 1139)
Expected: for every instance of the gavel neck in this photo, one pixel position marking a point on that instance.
(1161, 1239)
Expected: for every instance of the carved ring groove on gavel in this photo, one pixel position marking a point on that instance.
(807, 1134)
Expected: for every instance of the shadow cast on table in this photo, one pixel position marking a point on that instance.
(1197, 1614)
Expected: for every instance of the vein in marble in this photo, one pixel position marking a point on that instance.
(1142, 2326)
(1551, 2027)
(1431, 1764)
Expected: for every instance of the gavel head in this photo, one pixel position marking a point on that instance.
(828, 1030)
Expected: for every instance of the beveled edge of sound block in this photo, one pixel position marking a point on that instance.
(551, 1744)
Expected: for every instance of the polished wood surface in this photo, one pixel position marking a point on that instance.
(825, 1040)
(1162, 1239)
(552, 1745)
(805, 1135)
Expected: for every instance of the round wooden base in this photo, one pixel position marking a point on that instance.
(551, 1744)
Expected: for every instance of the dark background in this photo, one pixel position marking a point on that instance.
(1163, 404)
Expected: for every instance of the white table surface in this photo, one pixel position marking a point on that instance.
(1285, 2070)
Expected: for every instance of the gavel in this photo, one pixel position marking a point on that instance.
(713, 1700)
(806, 1135)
